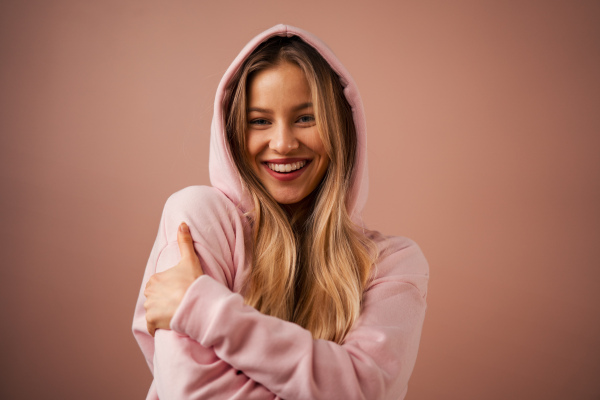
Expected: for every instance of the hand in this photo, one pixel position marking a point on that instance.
(165, 290)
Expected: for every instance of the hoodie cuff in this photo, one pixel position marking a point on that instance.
(200, 305)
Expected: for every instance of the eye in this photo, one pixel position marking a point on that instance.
(306, 119)
(259, 121)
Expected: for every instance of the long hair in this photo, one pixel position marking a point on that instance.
(310, 266)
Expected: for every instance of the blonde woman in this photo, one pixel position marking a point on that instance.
(267, 284)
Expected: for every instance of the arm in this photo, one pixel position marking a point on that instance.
(375, 361)
(183, 368)
(186, 370)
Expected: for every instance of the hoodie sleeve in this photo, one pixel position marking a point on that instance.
(375, 361)
(183, 368)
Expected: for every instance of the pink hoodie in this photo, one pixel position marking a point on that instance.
(219, 348)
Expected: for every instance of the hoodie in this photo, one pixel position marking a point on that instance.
(220, 348)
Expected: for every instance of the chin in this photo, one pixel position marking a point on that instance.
(287, 200)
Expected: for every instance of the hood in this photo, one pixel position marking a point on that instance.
(223, 173)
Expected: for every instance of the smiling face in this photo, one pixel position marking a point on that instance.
(283, 144)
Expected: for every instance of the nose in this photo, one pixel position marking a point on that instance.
(283, 140)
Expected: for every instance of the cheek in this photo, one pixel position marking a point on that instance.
(317, 145)
(253, 147)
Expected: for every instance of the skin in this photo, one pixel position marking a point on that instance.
(281, 126)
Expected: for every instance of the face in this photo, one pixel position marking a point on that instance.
(283, 143)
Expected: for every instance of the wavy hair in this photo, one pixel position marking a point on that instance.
(311, 264)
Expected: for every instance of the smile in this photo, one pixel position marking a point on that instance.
(285, 168)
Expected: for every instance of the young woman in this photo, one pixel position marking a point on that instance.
(267, 285)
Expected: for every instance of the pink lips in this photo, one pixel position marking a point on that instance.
(288, 176)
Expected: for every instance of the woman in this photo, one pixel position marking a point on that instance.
(277, 290)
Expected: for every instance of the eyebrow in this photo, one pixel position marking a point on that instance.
(297, 108)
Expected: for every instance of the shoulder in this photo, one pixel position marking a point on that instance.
(203, 207)
(192, 197)
(399, 259)
(219, 230)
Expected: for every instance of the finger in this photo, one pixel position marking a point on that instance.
(150, 329)
(185, 241)
(149, 285)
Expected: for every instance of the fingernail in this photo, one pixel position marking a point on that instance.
(184, 228)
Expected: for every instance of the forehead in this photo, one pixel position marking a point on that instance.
(282, 84)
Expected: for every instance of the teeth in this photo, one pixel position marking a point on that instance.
(287, 167)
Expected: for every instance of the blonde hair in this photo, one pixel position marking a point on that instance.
(311, 265)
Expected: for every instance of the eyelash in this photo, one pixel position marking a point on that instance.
(261, 121)
(312, 118)
(256, 121)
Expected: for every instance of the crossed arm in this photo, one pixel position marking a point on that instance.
(217, 347)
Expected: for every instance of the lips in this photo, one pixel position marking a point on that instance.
(286, 169)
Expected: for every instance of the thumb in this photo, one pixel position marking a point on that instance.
(185, 241)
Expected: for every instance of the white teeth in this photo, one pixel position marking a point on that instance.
(287, 167)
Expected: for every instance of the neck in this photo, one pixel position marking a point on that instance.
(299, 212)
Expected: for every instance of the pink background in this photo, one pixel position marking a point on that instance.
(484, 146)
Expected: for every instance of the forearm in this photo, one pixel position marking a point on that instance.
(375, 361)
(183, 369)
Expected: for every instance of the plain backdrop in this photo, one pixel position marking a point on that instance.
(484, 147)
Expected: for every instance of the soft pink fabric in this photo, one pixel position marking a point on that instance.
(219, 348)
